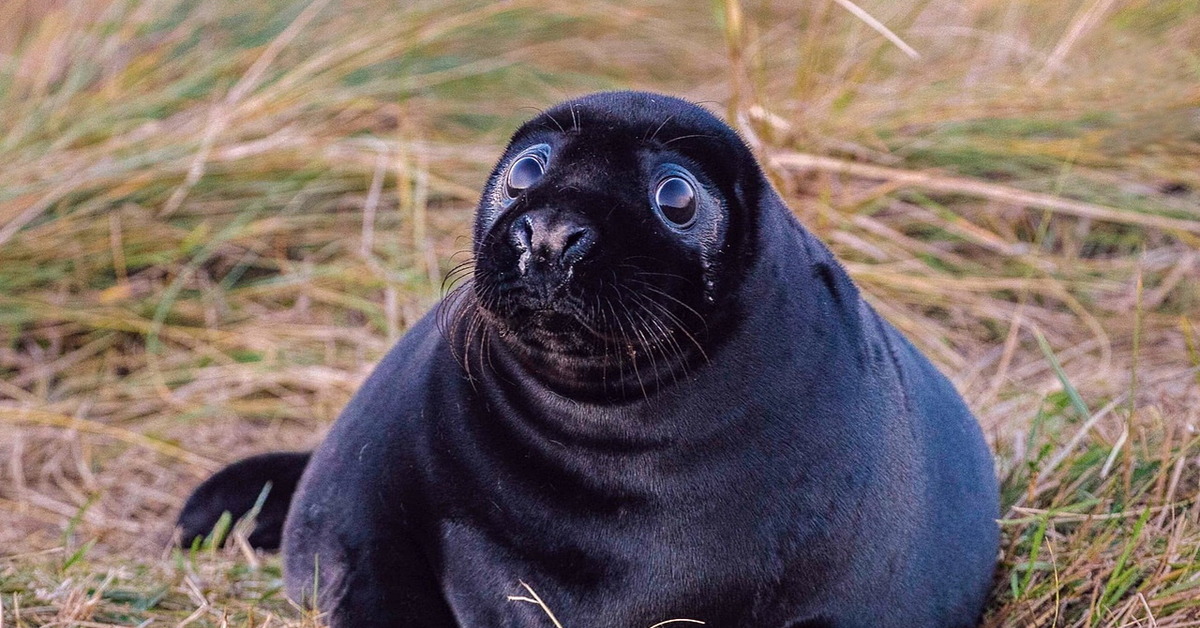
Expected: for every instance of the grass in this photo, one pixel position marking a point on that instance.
(214, 218)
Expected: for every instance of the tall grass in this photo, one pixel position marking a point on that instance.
(214, 218)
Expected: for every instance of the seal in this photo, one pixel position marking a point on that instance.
(656, 397)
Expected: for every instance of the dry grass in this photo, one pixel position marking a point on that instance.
(214, 217)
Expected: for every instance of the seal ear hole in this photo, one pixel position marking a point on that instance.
(675, 200)
(524, 172)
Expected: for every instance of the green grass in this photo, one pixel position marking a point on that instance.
(215, 217)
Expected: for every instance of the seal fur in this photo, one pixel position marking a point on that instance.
(646, 414)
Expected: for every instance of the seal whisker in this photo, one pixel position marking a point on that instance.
(476, 335)
(631, 351)
(679, 325)
(613, 351)
(664, 349)
(663, 346)
(670, 327)
(684, 137)
(637, 328)
(452, 309)
(667, 332)
(456, 273)
(542, 114)
(487, 347)
(642, 273)
(660, 128)
(656, 290)
(450, 285)
(618, 353)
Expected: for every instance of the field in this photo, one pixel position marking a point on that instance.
(215, 216)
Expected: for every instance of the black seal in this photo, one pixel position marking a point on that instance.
(658, 397)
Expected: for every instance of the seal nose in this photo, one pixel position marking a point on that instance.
(553, 237)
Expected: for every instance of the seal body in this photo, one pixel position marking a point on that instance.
(658, 398)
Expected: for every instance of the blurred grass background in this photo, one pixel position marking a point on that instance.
(215, 216)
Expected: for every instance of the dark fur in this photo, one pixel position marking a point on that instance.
(738, 438)
(236, 489)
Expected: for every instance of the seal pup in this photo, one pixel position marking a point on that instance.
(658, 397)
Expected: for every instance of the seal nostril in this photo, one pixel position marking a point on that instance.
(522, 233)
(578, 242)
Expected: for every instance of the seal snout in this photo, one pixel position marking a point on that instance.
(553, 242)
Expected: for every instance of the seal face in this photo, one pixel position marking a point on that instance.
(604, 240)
(658, 397)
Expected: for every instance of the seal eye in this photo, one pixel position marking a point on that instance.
(523, 173)
(676, 201)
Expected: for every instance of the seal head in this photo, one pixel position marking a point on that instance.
(609, 240)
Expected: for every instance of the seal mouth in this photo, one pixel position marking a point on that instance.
(545, 321)
(600, 325)
(548, 317)
(592, 316)
(555, 322)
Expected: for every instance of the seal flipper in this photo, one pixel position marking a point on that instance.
(236, 489)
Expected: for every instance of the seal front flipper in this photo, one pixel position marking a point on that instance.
(657, 396)
(236, 489)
